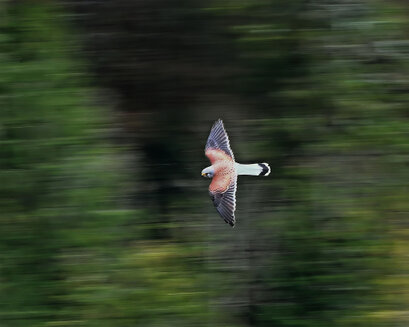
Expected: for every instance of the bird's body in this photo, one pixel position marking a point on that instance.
(224, 171)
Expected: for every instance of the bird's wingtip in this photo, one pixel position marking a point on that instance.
(217, 122)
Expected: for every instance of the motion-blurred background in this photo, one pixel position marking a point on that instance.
(105, 107)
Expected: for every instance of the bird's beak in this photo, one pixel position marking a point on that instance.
(203, 174)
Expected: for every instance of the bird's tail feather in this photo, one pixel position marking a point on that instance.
(258, 169)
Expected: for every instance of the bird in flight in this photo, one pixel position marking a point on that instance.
(224, 171)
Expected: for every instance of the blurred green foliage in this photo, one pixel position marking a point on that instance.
(104, 110)
(69, 251)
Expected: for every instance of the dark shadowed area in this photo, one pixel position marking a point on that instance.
(105, 108)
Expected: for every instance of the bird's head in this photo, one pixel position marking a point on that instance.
(208, 172)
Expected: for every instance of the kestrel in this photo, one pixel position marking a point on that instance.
(224, 171)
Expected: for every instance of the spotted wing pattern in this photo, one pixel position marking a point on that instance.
(218, 139)
(225, 203)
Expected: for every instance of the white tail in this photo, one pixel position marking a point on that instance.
(258, 169)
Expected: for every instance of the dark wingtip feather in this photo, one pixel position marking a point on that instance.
(219, 121)
(231, 223)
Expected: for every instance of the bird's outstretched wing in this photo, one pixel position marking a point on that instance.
(225, 202)
(222, 189)
(218, 140)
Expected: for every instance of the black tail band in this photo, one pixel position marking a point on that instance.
(265, 169)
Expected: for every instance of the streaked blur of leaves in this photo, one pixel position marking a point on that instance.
(104, 110)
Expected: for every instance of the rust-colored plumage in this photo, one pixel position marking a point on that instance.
(224, 171)
(222, 189)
